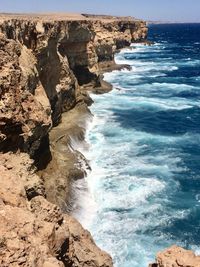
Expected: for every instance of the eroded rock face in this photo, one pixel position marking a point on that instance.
(34, 232)
(52, 58)
(176, 257)
(44, 65)
(18, 180)
(24, 107)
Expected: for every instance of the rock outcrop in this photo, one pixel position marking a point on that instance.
(47, 64)
(33, 231)
(176, 257)
(25, 113)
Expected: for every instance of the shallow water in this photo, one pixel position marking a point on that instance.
(144, 189)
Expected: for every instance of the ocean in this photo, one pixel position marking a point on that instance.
(143, 193)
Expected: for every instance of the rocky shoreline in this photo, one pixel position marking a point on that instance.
(48, 64)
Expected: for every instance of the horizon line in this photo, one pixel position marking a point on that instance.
(81, 13)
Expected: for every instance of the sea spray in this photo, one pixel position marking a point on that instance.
(142, 194)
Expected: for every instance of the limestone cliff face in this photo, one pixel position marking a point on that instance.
(47, 61)
(34, 232)
(25, 112)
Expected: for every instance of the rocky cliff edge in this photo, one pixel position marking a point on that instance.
(43, 64)
(47, 63)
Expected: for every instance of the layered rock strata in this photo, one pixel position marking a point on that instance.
(47, 63)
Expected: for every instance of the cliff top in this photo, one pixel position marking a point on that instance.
(61, 17)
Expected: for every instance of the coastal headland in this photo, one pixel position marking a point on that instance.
(49, 63)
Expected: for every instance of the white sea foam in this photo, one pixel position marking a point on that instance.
(134, 102)
(138, 66)
(127, 198)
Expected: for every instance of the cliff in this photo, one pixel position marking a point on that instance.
(48, 63)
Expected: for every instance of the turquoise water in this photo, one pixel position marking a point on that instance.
(144, 149)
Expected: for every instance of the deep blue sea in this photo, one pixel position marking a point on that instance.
(144, 150)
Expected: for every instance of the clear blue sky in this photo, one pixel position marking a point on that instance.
(171, 10)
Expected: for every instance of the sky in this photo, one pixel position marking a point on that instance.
(156, 10)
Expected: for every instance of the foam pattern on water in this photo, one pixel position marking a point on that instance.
(143, 190)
